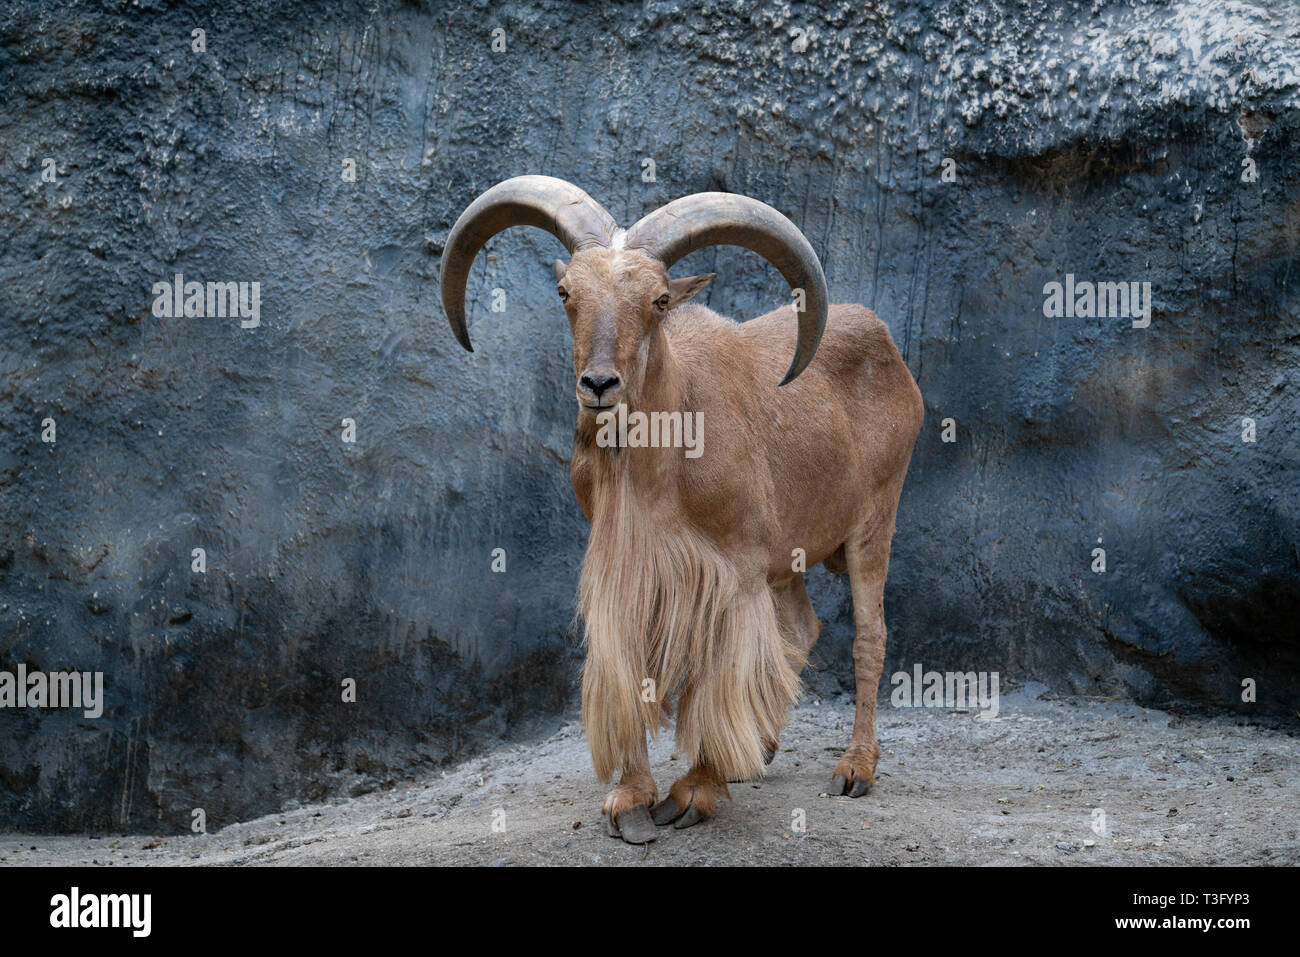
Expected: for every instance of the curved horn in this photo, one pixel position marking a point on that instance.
(558, 207)
(726, 219)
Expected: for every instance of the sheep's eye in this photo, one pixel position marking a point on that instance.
(564, 294)
(662, 302)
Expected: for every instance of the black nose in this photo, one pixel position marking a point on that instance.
(597, 384)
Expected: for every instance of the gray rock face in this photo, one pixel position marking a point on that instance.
(1134, 144)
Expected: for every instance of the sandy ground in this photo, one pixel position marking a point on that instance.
(952, 788)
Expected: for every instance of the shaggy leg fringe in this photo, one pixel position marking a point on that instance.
(665, 615)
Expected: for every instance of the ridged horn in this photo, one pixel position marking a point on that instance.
(726, 219)
(558, 207)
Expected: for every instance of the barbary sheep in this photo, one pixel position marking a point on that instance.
(691, 592)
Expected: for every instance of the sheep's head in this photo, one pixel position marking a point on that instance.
(616, 288)
(615, 299)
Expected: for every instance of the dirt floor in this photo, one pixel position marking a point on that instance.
(953, 788)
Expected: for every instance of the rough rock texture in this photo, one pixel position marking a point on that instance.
(1103, 140)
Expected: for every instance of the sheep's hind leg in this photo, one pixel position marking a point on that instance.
(692, 798)
(868, 561)
(627, 808)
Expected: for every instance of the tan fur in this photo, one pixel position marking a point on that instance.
(688, 577)
(660, 602)
(692, 587)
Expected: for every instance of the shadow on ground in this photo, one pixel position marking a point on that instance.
(1046, 781)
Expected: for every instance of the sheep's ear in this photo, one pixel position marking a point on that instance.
(560, 269)
(680, 290)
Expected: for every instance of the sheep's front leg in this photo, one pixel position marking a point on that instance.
(798, 620)
(627, 808)
(692, 798)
